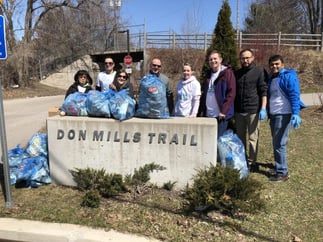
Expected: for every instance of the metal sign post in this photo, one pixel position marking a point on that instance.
(6, 171)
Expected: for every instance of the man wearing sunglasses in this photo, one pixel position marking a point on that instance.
(106, 77)
(155, 69)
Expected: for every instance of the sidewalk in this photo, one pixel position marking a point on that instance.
(311, 99)
(14, 230)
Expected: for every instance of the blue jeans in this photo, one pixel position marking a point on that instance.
(280, 127)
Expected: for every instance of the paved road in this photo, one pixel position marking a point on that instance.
(24, 117)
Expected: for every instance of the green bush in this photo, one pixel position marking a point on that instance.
(91, 199)
(89, 178)
(141, 176)
(220, 188)
(111, 185)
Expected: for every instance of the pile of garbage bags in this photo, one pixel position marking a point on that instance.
(152, 102)
(118, 105)
(29, 166)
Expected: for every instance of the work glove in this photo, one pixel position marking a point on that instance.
(262, 114)
(296, 121)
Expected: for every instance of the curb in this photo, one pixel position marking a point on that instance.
(14, 230)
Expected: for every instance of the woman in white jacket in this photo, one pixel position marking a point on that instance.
(188, 93)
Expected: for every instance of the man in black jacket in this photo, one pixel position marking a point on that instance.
(250, 104)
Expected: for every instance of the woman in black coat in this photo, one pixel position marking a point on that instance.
(82, 83)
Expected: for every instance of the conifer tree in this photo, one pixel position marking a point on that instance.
(223, 40)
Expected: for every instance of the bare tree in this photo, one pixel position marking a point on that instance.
(70, 24)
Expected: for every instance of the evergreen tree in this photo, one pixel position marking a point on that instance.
(223, 40)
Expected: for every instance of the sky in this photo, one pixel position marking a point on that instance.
(172, 15)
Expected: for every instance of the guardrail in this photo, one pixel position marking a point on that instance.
(203, 41)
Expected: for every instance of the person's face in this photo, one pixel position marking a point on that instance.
(187, 72)
(275, 66)
(246, 58)
(122, 78)
(155, 66)
(82, 79)
(215, 61)
(109, 64)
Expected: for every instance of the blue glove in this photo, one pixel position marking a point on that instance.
(262, 114)
(296, 121)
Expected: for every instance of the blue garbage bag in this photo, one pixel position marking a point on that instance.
(30, 166)
(97, 104)
(152, 98)
(122, 106)
(34, 171)
(37, 145)
(231, 152)
(16, 154)
(74, 104)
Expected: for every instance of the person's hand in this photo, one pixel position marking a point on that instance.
(221, 116)
(296, 121)
(262, 114)
(112, 86)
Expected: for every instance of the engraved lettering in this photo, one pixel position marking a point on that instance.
(151, 136)
(193, 141)
(125, 137)
(174, 139)
(108, 136)
(98, 136)
(184, 139)
(60, 134)
(82, 135)
(136, 137)
(116, 137)
(162, 138)
(71, 134)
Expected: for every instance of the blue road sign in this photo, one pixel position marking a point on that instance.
(3, 49)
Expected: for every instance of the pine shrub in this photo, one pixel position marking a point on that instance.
(220, 188)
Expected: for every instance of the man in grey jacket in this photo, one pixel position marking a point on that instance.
(155, 68)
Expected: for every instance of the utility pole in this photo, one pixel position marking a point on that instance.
(238, 20)
(115, 5)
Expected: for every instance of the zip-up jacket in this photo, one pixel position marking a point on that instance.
(251, 87)
(225, 92)
(288, 82)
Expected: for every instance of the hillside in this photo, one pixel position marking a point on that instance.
(309, 65)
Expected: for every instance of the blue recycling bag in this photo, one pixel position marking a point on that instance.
(74, 104)
(122, 106)
(97, 104)
(232, 152)
(152, 98)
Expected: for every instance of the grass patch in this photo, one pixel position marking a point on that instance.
(35, 90)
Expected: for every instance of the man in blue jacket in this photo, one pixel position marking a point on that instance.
(284, 106)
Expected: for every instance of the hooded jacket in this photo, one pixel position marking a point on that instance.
(288, 82)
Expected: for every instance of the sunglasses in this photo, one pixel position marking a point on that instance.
(108, 63)
(155, 65)
(123, 77)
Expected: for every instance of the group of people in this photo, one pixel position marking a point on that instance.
(247, 95)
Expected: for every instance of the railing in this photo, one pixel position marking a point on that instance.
(203, 41)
